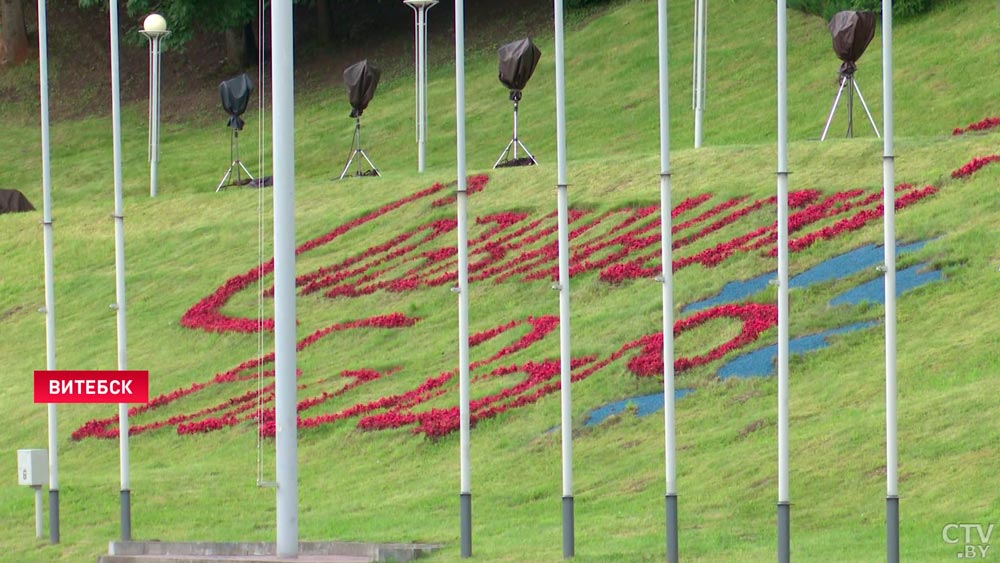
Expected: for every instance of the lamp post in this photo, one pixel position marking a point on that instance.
(119, 305)
(50, 292)
(420, 9)
(154, 28)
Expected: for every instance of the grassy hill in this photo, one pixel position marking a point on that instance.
(399, 485)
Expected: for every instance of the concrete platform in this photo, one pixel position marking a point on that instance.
(262, 552)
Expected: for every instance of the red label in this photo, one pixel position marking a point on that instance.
(91, 386)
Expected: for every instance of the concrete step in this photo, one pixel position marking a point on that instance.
(261, 552)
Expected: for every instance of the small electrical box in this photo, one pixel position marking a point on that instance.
(33, 467)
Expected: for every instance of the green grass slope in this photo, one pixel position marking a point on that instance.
(393, 485)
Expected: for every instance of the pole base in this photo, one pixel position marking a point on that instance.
(892, 529)
(126, 499)
(466, 524)
(672, 550)
(784, 532)
(569, 537)
(54, 517)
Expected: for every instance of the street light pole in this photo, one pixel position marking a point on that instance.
(119, 306)
(420, 9)
(50, 295)
(154, 28)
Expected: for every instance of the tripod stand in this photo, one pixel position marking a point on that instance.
(850, 107)
(515, 142)
(356, 151)
(237, 164)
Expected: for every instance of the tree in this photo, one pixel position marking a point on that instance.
(187, 16)
(13, 34)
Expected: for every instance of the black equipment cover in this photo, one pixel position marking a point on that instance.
(235, 94)
(852, 32)
(518, 60)
(362, 80)
(13, 201)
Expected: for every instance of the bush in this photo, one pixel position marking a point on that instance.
(827, 8)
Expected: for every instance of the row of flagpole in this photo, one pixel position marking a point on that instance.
(284, 168)
(666, 279)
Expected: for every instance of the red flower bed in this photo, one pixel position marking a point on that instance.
(984, 125)
(620, 244)
(974, 165)
(533, 380)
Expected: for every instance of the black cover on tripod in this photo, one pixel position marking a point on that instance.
(518, 60)
(362, 80)
(13, 201)
(235, 94)
(852, 32)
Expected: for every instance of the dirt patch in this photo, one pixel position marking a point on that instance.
(752, 427)
(11, 312)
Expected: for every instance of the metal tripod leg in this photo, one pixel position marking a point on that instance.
(349, 162)
(504, 154)
(865, 105)
(357, 150)
(370, 163)
(236, 166)
(836, 101)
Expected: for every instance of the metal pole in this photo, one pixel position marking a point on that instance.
(154, 114)
(667, 277)
(283, 127)
(701, 29)
(889, 205)
(119, 306)
(565, 380)
(50, 297)
(416, 66)
(784, 501)
(421, 93)
(704, 51)
(465, 496)
(423, 75)
(39, 513)
(694, 56)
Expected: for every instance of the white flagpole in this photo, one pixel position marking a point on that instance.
(565, 379)
(701, 50)
(50, 294)
(784, 500)
(667, 278)
(119, 306)
(889, 205)
(465, 496)
(283, 126)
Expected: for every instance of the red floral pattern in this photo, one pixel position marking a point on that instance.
(620, 244)
(984, 125)
(974, 165)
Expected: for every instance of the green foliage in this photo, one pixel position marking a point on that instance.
(827, 8)
(186, 16)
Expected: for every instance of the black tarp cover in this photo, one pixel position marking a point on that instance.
(235, 94)
(852, 32)
(518, 60)
(361, 79)
(13, 201)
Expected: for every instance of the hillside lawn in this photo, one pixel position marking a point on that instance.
(397, 486)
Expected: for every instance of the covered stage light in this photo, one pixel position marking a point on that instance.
(361, 80)
(852, 32)
(235, 94)
(518, 60)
